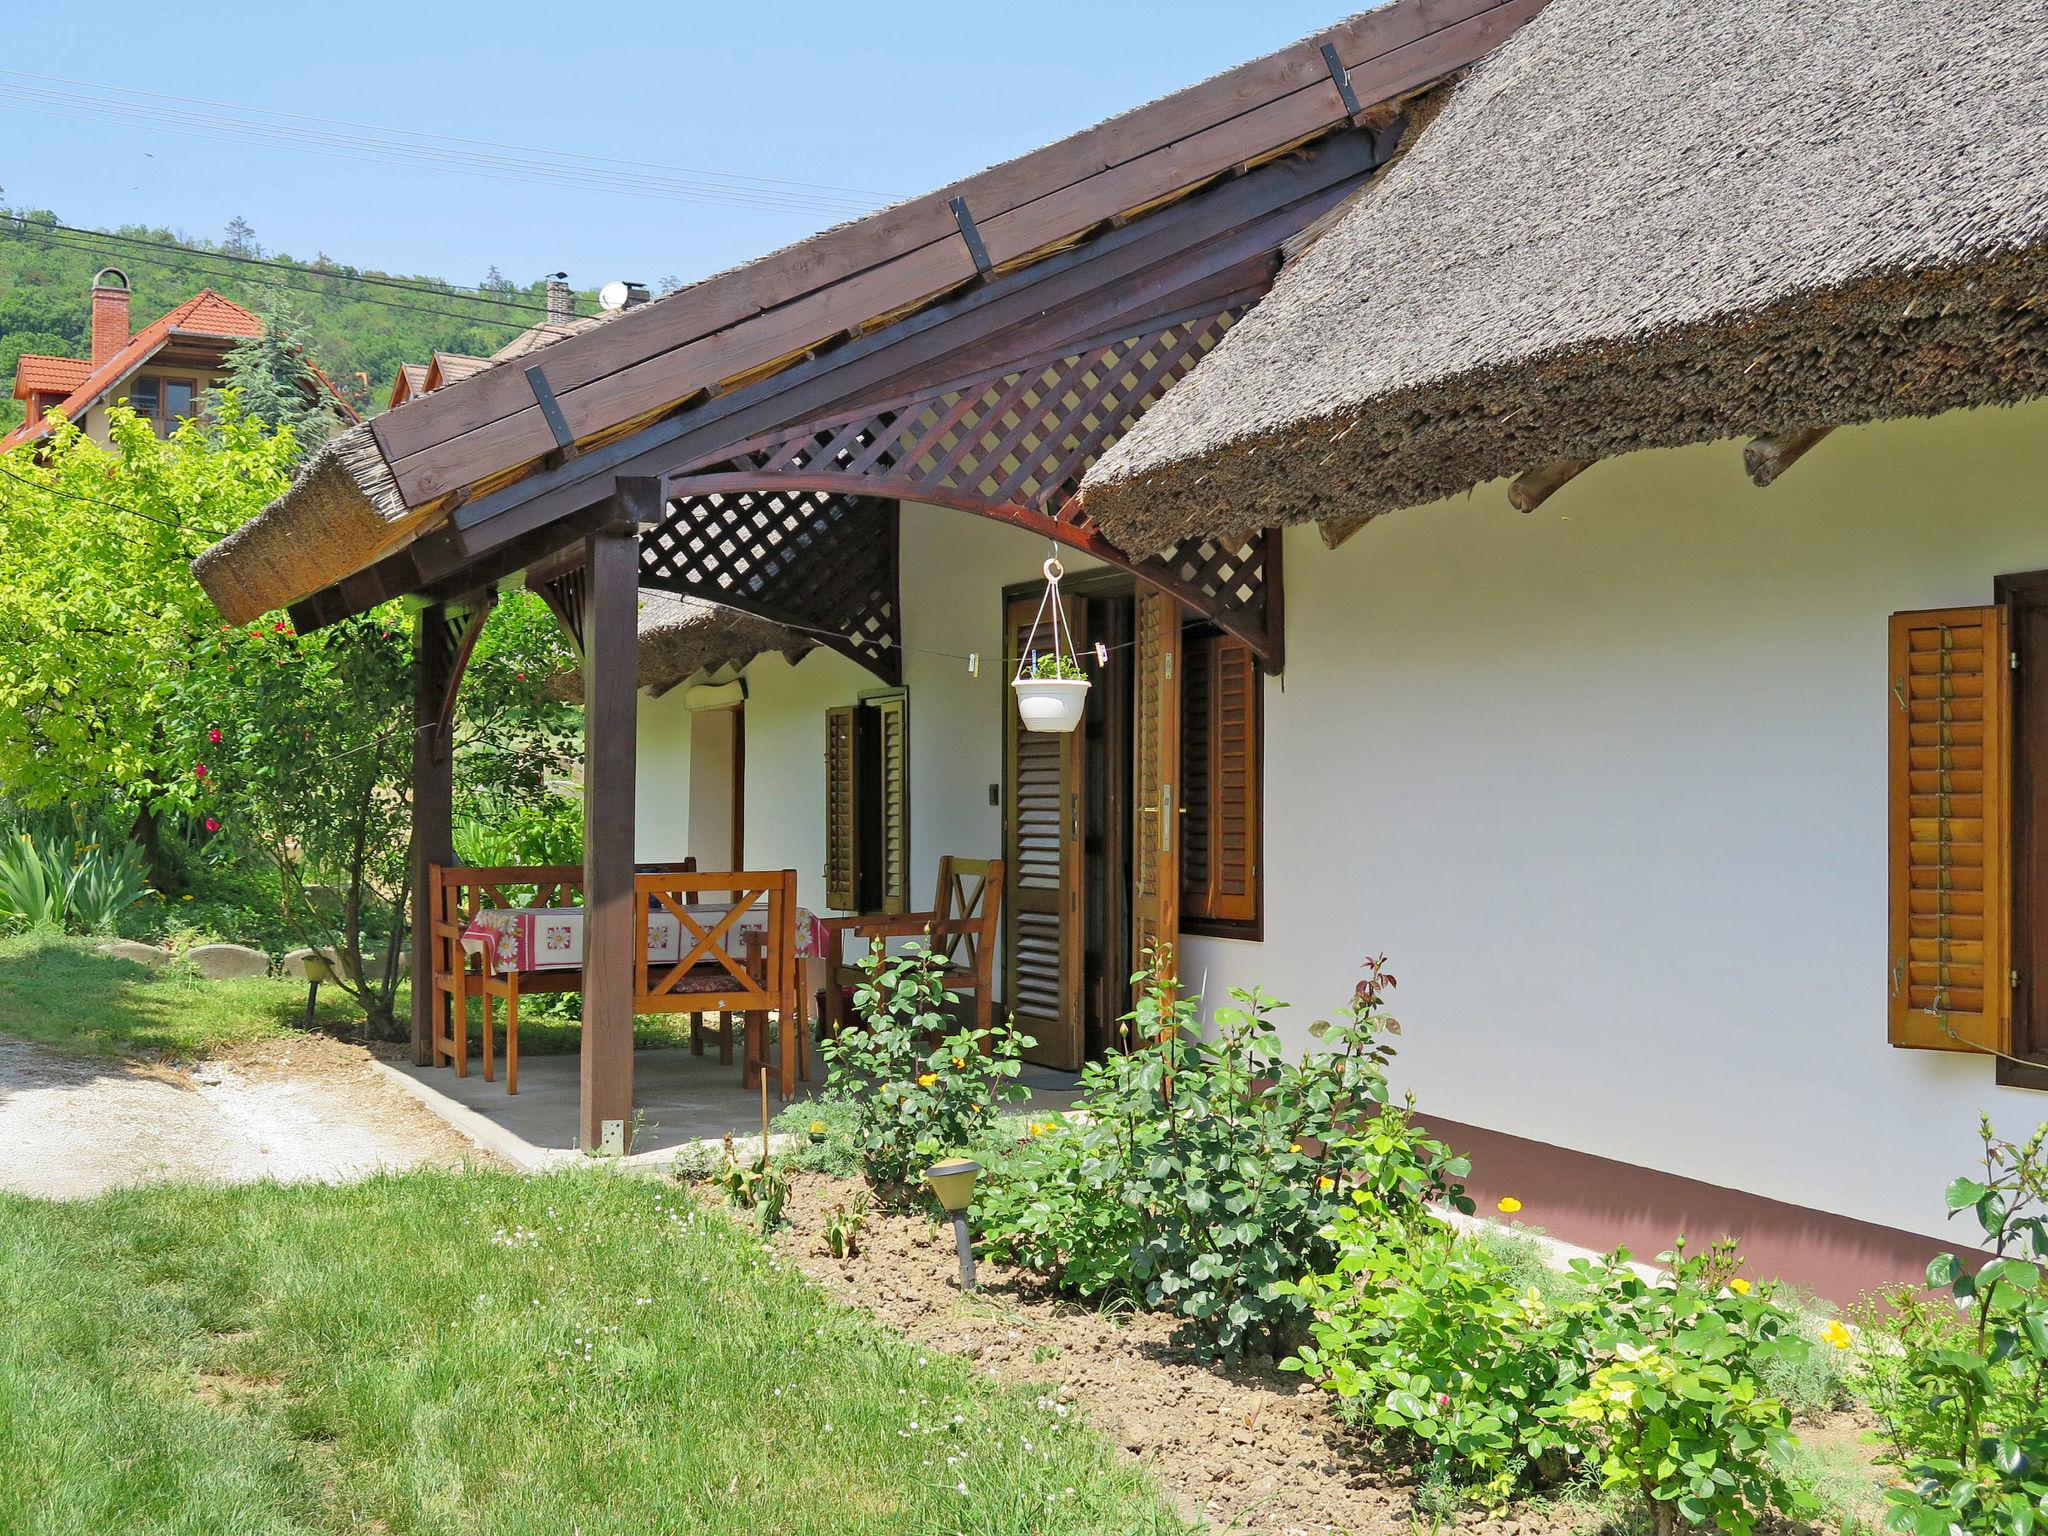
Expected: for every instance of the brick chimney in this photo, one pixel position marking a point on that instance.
(109, 313)
(561, 302)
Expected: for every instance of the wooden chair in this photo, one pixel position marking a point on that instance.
(962, 926)
(724, 969)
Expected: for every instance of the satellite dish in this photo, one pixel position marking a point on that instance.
(621, 295)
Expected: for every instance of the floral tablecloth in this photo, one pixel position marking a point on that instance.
(551, 938)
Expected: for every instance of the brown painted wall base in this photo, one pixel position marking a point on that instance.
(1599, 1203)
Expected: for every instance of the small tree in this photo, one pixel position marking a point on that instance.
(273, 383)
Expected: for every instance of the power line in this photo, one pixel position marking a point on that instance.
(42, 233)
(466, 295)
(399, 147)
(449, 138)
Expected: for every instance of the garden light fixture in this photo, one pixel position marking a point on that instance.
(953, 1182)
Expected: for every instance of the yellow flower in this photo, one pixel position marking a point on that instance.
(1043, 1127)
(1739, 1286)
(1294, 1146)
(186, 897)
(926, 1079)
(817, 1127)
(959, 1061)
(1509, 1204)
(1834, 1333)
(1326, 1182)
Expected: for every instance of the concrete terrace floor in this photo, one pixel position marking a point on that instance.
(681, 1098)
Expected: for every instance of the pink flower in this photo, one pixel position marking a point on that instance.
(213, 735)
(213, 823)
(279, 626)
(199, 770)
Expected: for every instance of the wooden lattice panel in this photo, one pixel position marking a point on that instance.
(1015, 445)
(821, 560)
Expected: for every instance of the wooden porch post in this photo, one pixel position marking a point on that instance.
(611, 568)
(433, 813)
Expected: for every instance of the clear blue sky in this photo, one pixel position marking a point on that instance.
(886, 98)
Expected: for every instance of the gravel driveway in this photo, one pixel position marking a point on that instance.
(306, 1108)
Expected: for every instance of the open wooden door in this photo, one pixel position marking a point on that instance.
(1155, 759)
(1043, 935)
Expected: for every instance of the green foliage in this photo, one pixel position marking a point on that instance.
(349, 327)
(1206, 1173)
(499, 833)
(1676, 1407)
(99, 616)
(1051, 666)
(842, 1227)
(271, 380)
(1426, 1331)
(67, 872)
(1961, 1403)
(917, 1088)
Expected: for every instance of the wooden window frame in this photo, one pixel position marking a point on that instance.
(164, 425)
(2025, 596)
(1250, 929)
(868, 890)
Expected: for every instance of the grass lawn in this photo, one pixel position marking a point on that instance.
(56, 990)
(437, 1352)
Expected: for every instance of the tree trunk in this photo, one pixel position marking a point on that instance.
(150, 837)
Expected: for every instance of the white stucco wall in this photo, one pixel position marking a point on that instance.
(1606, 782)
(661, 827)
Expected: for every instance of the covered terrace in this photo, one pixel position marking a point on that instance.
(745, 445)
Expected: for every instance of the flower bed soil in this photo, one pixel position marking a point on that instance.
(1245, 1448)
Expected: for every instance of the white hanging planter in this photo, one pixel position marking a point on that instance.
(1051, 703)
(1050, 686)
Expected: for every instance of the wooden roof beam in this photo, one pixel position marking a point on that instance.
(1766, 458)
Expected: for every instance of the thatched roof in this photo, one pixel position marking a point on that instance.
(681, 637)
(1636, 225)
(350, 513)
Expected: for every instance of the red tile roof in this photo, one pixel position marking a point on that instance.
(38, 372)
(206, 313)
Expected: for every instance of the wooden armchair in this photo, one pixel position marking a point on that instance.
(962, 926)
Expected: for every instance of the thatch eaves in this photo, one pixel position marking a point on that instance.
(685, 637)
(1636, 226)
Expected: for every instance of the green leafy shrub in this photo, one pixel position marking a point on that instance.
(1960, 1398)
(911, 1085)
(1676, 1409)
(72, 875)
(1206, 1173)
(1433, 1333)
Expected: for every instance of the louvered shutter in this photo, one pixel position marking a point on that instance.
(892, 727)
(1155, 754)
(1043, 967)
(1949, 820)
(1233, 787)
(842, 809)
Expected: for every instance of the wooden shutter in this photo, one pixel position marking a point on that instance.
(1233, 781)
(891, 721)
(1951, 690)
(1155, 753)
(1043, 960)
(842, 808)
(1220, 767)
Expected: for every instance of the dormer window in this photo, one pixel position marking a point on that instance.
(163, 402)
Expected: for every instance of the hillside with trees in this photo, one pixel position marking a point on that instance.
(357, 331)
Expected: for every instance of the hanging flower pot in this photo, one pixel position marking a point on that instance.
(1050, 686)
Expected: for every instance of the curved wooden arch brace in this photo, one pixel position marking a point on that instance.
(452, 640)
(1012, 446)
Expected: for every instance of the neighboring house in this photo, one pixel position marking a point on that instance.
(444, 368)
(161, 372)
(1713, 882)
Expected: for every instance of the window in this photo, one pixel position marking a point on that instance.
(867, 805)
(1221, 744)
(163, 402)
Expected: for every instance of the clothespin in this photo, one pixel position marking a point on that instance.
(1101, 654)
(974, 664)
